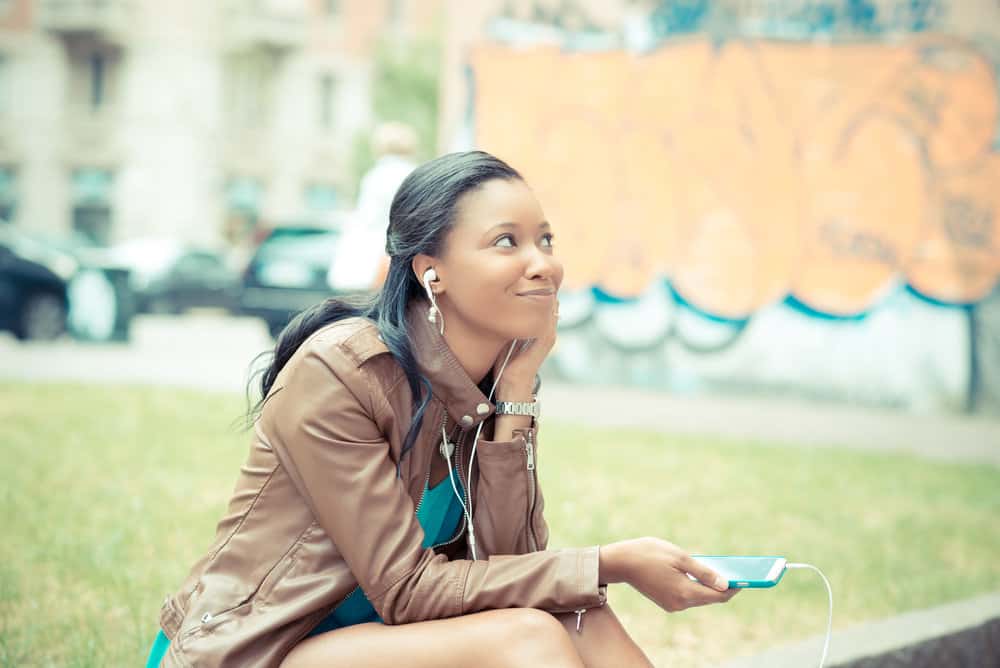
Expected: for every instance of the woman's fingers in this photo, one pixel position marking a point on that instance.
(705, 575)
(701, 595)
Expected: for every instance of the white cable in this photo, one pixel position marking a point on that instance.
(829, 620)
(451, 478)
(467, 509)
(475, 441)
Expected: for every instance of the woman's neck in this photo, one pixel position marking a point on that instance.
(474, 349)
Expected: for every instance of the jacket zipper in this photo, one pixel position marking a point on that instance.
(529, 448)
(458, 457)
(427, 478)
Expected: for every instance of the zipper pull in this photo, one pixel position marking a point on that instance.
(446, 448)
(529, 449)
(579, 618)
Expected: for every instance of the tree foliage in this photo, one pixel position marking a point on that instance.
(405, 88)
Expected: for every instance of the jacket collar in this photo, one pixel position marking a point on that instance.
(463, 400)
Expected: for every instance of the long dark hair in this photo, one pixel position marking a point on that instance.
(422, 213)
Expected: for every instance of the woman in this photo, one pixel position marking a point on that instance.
(350, 538)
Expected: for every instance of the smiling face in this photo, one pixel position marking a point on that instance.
(499, 250)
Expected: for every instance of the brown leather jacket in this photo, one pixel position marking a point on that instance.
(318, 509)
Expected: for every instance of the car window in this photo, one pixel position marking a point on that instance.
(314, 247)
(194, 262)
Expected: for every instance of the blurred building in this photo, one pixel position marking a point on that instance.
(124, 118)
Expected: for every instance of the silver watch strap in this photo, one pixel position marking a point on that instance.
(518, 408)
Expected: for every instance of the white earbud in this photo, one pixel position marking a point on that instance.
(429, 275)
(433, 313)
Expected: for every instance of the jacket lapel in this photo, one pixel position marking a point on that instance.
(463, 400)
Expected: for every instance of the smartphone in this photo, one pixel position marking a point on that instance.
(745, 572)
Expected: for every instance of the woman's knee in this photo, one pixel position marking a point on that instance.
(527, 636)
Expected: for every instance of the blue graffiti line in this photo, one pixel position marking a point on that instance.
(801, 18)
(679, 17)
(684, 302)
(602, 296)
(800, 306)
(965, 306)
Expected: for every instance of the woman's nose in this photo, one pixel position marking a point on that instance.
(542, 265)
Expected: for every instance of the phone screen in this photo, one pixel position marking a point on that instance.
(752, 569)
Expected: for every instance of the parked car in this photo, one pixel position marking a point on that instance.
(33, 286)
(287, 273)
(168, 276)
(101, 304)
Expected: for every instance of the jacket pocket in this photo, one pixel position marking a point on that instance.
(209, 622)
(282, 568)
(211, 618)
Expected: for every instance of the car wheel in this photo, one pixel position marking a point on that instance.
(43, 317)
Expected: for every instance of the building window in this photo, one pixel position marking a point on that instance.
(249, 82)
(97, 76)
(92, 77)
(8, 194)
(327, 90)
(92, 204)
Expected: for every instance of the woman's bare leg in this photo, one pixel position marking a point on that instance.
(602, 640)
(490, 639)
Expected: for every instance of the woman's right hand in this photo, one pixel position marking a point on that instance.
(659, 570)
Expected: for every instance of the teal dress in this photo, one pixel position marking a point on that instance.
(438, 512)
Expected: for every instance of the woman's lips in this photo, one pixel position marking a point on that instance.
(539, 296)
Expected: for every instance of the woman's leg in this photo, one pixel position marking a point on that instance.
(490, 639)
(602, 640)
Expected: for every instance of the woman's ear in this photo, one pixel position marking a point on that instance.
(420, 264)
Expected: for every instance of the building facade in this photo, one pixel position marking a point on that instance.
(193, 120)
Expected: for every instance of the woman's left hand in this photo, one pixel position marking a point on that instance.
(519, 374)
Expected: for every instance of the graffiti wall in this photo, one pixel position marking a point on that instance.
(746, 212)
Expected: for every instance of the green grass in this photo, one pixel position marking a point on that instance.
(109, 494)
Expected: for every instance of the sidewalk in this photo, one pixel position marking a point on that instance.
(778, 420)
(209, 352)
(949, 626)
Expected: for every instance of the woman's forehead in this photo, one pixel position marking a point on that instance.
(495, 202)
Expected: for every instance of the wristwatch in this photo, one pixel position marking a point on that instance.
(532, 408)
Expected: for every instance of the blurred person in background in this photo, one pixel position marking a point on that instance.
(359, 259)
(350, 538)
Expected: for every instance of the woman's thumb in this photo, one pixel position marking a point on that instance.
(707, 576)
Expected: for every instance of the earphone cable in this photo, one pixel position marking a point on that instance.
(467, 508)
(475, 441)
(829, 619)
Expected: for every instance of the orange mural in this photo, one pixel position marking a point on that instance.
(754, 170)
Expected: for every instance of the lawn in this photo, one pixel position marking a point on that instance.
(110, 493)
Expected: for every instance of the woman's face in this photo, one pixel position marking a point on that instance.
(500, 248)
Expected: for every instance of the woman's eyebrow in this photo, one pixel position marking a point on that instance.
(542, 226)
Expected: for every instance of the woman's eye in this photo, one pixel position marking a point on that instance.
(507, 240)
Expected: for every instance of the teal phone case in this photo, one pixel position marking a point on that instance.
(747, 583)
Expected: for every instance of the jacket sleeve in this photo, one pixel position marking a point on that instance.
(508, 508)
(322, 424)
